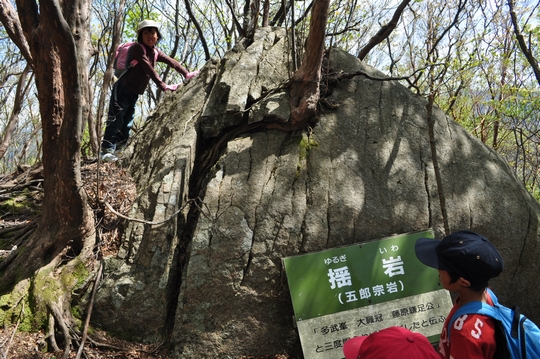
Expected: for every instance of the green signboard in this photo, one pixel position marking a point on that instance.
(359, 289)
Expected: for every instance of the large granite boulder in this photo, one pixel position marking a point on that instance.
(229, 198)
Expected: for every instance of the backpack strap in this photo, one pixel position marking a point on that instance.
(134, 62)
(516, 320)
(494, 312)
(478, 307)
(522, 342)
(487, 310)
(156, 54)
(493, 297)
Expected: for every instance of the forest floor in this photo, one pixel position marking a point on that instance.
(21, 345)
(21, 194)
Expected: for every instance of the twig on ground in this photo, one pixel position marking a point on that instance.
(90, 305)
(104, 345)
(5, 355)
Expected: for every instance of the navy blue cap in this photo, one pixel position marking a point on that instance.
(465, 253)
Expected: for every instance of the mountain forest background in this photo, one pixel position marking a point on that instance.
(476, 59)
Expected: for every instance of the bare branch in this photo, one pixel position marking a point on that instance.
(385, 31)
(461, 7)
(521, 42)
(10, 20)
(89, 313)
(199, 30)
(15, 111)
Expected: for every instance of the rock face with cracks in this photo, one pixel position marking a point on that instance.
(229, 198)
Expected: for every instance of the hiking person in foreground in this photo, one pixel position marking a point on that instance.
(142, 57)
(466, 262)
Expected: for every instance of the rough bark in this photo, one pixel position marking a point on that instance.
(251, 17)
(59, 92)
(305, 82)
(57, 45)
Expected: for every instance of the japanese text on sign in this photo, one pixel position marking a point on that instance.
(365, 323)
(341, 277)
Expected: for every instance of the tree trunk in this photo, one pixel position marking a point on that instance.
(251, 17)
(304, 95)
(65, 228)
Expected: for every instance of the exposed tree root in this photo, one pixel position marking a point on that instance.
(53, 287)
(51, 338)
(65, 328)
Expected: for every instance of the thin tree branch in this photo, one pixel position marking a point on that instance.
(237, 24)
(435, 160)
(10, 20)
(461, 7)
(521, 42)
(90, 306)
(385, 31)
(199, 30)
(348, 75)
(15, 111)
(6, 352)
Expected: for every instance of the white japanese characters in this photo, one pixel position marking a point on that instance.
(340, 277)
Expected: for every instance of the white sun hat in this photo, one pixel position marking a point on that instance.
(148, 23)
